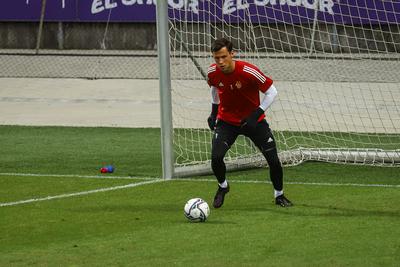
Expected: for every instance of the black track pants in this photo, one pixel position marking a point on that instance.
(226, 134)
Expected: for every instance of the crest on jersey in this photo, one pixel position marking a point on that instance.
(220, 84)
(238, 85)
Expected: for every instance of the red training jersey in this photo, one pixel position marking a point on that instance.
(238, 91)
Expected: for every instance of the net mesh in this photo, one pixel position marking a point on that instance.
(335, 67)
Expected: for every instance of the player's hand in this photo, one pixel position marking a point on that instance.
(212, 121)
(252, 120)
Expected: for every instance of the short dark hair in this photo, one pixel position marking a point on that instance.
(220, 43)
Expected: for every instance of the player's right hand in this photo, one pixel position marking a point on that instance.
(212, 121)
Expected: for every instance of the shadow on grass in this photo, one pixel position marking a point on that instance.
(327, 211)
(212, 221)
(351, 212)
(299, 209)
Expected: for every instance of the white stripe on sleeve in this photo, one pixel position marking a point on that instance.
(255, 73)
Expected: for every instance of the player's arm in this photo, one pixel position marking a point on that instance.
(269, 97)
(266, 102)
(212, 119)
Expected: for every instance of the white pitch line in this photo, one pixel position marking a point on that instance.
(348, 184)
(194, 179)
(295, 183)
(80, 193)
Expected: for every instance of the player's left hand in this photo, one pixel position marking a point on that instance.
(252, 120)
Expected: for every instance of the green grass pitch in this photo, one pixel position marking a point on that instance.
(332, 223)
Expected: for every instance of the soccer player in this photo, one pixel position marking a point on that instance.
(236, 109)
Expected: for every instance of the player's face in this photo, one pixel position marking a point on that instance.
(224, 60)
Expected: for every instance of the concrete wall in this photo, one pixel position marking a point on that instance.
(120, 36)
(143, 36)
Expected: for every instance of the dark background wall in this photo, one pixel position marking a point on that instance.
(328, 38)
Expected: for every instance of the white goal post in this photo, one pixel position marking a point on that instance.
(336, 66)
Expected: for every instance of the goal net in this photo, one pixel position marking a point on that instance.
(336, 66)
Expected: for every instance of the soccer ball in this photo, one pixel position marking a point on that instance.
(196, 210)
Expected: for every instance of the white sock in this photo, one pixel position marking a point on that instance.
(224, 184)
(278, 193)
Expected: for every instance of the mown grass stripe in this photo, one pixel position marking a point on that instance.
(106, 176)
